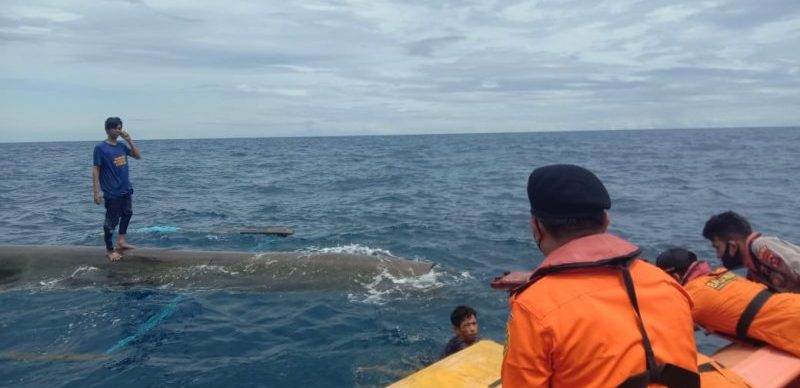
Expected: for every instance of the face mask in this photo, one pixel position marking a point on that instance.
(538, 239)
(731, 261)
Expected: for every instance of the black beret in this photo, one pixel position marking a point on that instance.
(675, 260)
(565, 190)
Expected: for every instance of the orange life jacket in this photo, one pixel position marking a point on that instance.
(593, 315)
(721, 299)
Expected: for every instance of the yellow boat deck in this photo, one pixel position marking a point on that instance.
(479, 366)
(475, 366)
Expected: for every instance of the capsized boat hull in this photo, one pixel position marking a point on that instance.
(86, 265)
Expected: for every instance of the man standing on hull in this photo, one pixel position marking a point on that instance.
(110, 174)
(593, 314)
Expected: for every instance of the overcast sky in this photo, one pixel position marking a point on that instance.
(200, 68)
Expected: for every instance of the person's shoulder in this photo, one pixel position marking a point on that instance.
(100, 144)
(653, 282)
(454, 341)
(647, 274)
(773, 241)
(769, 242)
(700, 284)
(776, 253)
(454, 345)
(540, 298)
(556, 289)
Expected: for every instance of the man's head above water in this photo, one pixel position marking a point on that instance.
(465, 323)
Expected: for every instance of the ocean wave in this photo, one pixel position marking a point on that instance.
(355, 249)
(206, 269)
(157, 229)
(83, 273)
(385, 287)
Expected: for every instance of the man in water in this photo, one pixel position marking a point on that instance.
(593, 313)
(769, 260)
(110, 174)
(728, 304)
(465, 327)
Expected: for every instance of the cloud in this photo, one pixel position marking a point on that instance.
(672, 13)
(23, 33)
(257, 89)
(426, 47)
(43, 13)
(378, 66)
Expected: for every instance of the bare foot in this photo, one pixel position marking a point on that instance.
(125, 245)
(113, 256)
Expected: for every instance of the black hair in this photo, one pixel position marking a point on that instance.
(727, 226)
(113, 123)
(561, 227)
(676, 260)
(460, 314)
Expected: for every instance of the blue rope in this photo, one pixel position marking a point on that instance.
(151, 322)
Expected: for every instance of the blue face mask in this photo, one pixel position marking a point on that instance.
(732, 261)
(537, 238)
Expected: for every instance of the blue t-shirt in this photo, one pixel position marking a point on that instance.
(113, 162)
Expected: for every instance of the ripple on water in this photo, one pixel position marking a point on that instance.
(458, 201)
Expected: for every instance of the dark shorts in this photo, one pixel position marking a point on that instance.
(118, 212)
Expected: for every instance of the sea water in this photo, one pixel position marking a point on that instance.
(458, 201)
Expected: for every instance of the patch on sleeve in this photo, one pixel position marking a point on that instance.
(720, 281)
(770, 257)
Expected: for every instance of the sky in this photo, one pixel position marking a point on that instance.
(211, 69)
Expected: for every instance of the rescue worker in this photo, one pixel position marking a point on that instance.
(593, 314)
(769, 260)
(729, 304)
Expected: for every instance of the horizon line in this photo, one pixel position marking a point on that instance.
(425, 134)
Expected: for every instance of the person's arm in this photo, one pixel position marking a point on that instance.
(134, 150)
(97, 161)
(526, 362)
(782, 260)
(96, 184)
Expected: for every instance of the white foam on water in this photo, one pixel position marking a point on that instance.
(157, 229)
(80, 272)
(261, 258)
(84, 269)
(356, 249)
(49, 284)
(386, 287)
(258, 262)
(204, 269)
